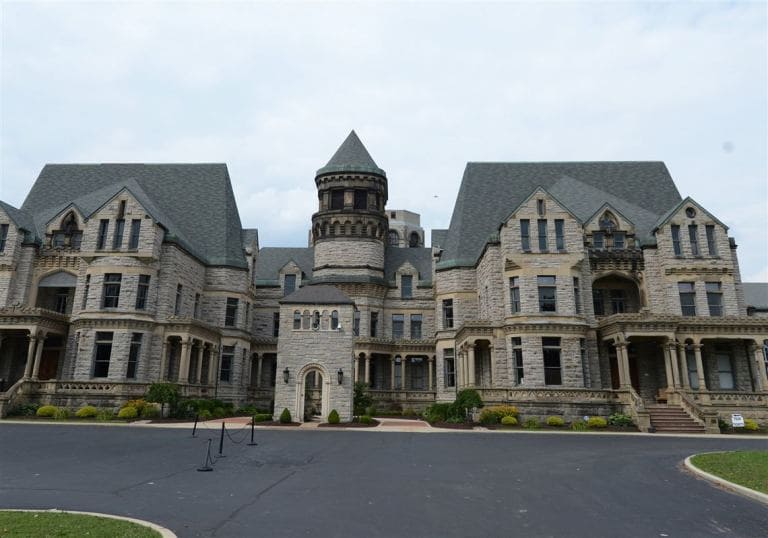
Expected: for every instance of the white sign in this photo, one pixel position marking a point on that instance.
(737, 421)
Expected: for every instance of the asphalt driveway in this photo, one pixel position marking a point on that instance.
(363, 483)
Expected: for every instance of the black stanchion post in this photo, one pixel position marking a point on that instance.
(252, 443)
(194, 428)
(221, 441)
(206, 464)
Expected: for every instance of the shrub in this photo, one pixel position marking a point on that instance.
(751, 425)
(138, 404)
(455, 420)
(204, 415)
(579, 426)
(366, 419)
(218, 412)
(285, 417)
(361, 399)
(723, 425)
(247, 411)
(105, 415)
(531, 424)
(620, 419)
(494, 414)
(371, 411)
(163, 393)
(128, 413)
(47, 411)
(597, 422)
(87, 411)
(508, 420)
(150, 411)
(468, 399)
(409, 412)
(557, 422)
(62, 414)
(23, 410)
(262, 417)
(333, 417)
(439, 412)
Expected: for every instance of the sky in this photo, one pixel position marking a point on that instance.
(272, 89)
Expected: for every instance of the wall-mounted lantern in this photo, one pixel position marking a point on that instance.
(286, 374)
(340, 375)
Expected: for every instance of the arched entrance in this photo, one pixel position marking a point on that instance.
(615, 294)
(312, 398)
(56, 292)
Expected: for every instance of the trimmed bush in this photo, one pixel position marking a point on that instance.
(620, 419)
(128, 413)
(247, 411)
(262, 417)
(366, 419)
(47, 411)
(285, 417)
(531, 424)
(597, 422)
(556, 422)
(509, 420)
(138, 404)
(333, 417)
(87, 411)
(494, 414)
(150, 411)
(751, 425)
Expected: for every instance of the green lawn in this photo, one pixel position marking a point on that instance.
(749, 469)
(47, 524)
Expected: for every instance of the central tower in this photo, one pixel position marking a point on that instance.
(350, 226)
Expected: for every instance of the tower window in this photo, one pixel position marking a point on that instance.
(414, 240)
(337, 199)
(361, 199)
(393, 238)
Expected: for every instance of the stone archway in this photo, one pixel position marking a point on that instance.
(307, 373)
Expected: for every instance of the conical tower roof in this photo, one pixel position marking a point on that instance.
(351, 157)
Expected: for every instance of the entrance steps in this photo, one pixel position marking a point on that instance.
(666, 419)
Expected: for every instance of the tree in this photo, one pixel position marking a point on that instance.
(163, 393)
(362, 399)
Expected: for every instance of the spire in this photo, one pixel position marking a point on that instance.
(351, 157)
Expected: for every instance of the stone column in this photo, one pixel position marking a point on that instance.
(186, 346)
(163, 360)
(683, 360)
(403, 377)
(668, 367)
(623, 358)
(38, 354)
(259, 361)
(392, 373)
(760, 377)
(492, 361)
(357, 369)
(367, 370)
(317, 380)
(671, 350)
(199, 373)
(699, 367)
(30, 356)
(430, 377)
(471, 365)
(215, 361)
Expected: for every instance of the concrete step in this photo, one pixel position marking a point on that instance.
(666, 419)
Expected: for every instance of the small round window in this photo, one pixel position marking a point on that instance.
(690, 212)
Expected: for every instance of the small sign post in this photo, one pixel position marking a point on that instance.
(737, 421)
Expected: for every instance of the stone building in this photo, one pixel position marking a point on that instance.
(563, 288)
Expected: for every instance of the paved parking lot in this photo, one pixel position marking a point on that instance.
(363, 483)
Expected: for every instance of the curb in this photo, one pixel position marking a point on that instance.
(727, 484)
(165, 533)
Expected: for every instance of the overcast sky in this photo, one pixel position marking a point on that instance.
(273, 89)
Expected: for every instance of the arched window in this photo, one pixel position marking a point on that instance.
(316, 320)
(414, 240)
(296, 320)
(69, 235)
(393, 238)
(334, 320)
(305, 320)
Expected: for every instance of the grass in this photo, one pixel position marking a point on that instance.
(748, 469)
(63, 525)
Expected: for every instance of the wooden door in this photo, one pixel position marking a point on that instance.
(49, 363)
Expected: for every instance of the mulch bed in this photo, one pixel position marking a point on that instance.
(743, 431)
(276, 423)
(455, 425)
(349, 425)
(545, 427)
(400, 417)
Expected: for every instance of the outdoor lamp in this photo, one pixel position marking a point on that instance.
(286, 374)
(340, 375)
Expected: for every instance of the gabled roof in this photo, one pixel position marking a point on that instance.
(688, 200)
(22, 219)
(420, 258)
(535, 192)
(351, 157)
(272, 259)
(194, 202)
(608, 207)
(640, 190)
(319, 294)
(756, 295)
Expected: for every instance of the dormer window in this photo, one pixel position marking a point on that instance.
(69, 235)
(598, 240)
(3, 236)
(406, 286)
(690, 212)
(414, 240)
(289, 284)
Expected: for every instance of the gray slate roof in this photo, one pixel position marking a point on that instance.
(272, 259)
(351, 157)
(420, 258)
(438, 237)
(490, 192)
(194, 202)
(22, 219)
(320, 294)
(756, 295)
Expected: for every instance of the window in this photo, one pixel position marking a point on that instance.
(315, 320)
(334, 320)
(416, 326)
(406, 286)
(58, 240)
(599, 304)
(414, 240)
(247, 315)
(517, 359)
(62, 298)
(552, 369)
(693, 235)
(142, 291)
(715, 298)
(525, 234)
(619, 241)
(542, 235)
(76, 239)
(711, 244)
(103, 354)
(111, 295)
(117, 238)
(687, 298)
(227, 355)
(361, 199)
(196, 307)
(584, 363)
(133, 241)
(447, 313)
(3, 236)
(725, 371)
(449, 367)
(393, 239)
(514, 294)
(690, 212)
(690, 361)
(540, 207)
(102, 238)
(577, 294)
(177, 304)
(618, 301)
(356, 323)
(559, 234)
(398, 326)
(337, 199)
(547, 294)
(296, 320)
(230, 314)
(276, 323)
(86, 290)
(598, 240)
(133, 355)
(374, 324)
(289, 284)
(676, 240)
